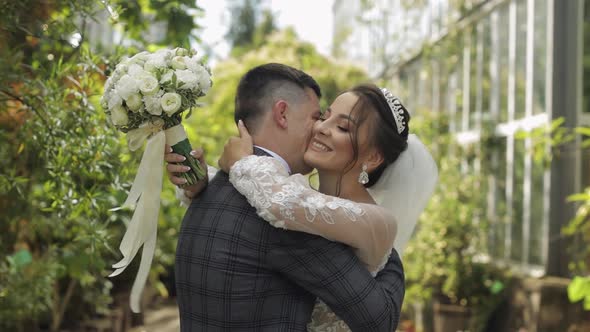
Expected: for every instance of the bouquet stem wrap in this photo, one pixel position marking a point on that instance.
(145, 196)
(179, 142)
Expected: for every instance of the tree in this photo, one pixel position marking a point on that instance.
(245, 16)
(249, 26)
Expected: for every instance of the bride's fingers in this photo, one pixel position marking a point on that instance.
(199, 154)
(244, 133)
(176, 180)
(174, 158)
(174, 168)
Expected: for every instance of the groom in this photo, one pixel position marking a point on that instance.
(234, 271)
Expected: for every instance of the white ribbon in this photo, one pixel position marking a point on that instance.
(145, 191)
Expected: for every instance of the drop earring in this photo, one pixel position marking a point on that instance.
(364, 176)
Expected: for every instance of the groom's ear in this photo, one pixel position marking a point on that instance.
(279, 113)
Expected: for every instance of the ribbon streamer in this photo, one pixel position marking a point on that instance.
(145, 191)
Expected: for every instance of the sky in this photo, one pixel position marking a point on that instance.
(312, 20)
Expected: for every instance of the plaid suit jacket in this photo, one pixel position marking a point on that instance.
(235, 272)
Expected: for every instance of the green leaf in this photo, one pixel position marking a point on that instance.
(578, 289)
(583, 131)
(578, 197)
(497, 287)
(22, 258)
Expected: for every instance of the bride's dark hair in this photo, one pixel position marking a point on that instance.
(372, 105)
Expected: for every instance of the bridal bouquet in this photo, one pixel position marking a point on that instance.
(145, 98)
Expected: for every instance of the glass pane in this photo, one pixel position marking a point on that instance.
(458, 118)
(517, 200)
(537, 213)
(474, 86)
(503, 63)
(486, 77)
(425, 84)
(521, 31)
(587, 57)
(497, 183)
(540, 56)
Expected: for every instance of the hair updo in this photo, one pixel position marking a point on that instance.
(372, 105)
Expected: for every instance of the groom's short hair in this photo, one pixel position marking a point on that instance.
(261, 86)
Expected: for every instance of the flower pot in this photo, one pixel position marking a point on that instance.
(450, 317)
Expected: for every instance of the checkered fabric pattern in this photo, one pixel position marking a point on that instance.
(235, 272)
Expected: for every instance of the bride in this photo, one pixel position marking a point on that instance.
(375, 180)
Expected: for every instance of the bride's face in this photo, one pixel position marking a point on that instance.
(330, 148)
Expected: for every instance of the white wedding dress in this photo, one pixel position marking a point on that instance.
(287, 201)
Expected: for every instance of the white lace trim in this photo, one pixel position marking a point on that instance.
(267, 186)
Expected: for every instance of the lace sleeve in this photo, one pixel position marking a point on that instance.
(290, 203)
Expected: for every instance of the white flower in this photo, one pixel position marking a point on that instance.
(127, 86)
(171, 103)
(154, 63)
(149, 85)
(134, 102)
(121, 68)
(164, 54)
(192, 64)
(188, 78)
(204, 79)
(136, 71)
(141, 56)
(152, 103)
(119, 116)
(114, 100)
(166, 77)
(178, 62)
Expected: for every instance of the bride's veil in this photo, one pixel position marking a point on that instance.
(405, 188)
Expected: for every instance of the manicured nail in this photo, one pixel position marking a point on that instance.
(184, 181)
(240, 123)
(182, 158)
(169, 150)
(186, 168)
(193, 153)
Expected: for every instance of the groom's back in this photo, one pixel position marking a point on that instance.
(222, 278)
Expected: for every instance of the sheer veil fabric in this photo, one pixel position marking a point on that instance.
(405, 188)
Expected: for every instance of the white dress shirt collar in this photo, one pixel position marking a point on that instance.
(274, 155)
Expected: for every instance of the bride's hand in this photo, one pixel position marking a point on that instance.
(236, 148)
(173, 168)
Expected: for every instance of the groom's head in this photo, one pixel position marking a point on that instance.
(279, 105)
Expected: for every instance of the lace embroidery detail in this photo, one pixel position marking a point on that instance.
(268, 188)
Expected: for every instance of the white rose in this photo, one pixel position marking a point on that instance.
(154, 63)
(152, 103)
(119, 116)
(149, 85)
(167, 77)
(204, 79)
(136, 71)
(127, 86)
(192, 63)
(188, 78)
(113, 100)
(134, 102)
(141, 56)
(178, 62)
(171, 103)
